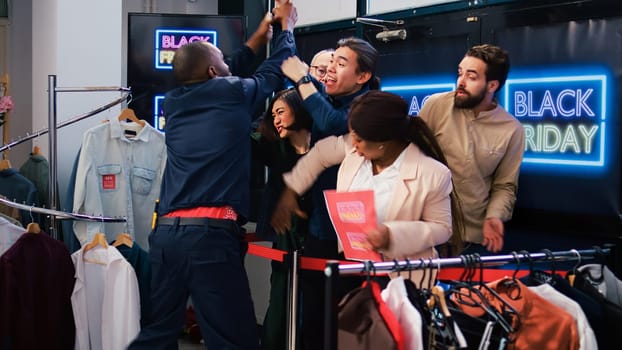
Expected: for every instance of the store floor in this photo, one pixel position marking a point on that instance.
(186, 344)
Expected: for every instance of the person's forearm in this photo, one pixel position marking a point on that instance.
(261, 36)
(306, 90)
(256, 42)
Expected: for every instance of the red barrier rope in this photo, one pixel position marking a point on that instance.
(265, 252)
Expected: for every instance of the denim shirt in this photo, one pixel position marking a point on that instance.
(119, 176)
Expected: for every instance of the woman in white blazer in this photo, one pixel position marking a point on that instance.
(398, 157)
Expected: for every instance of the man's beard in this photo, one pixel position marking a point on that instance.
(470, 101)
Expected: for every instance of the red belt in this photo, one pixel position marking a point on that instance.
(226, 213)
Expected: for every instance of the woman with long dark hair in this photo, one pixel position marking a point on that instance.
(283, 136)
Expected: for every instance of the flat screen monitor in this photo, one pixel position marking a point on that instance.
(152, 42)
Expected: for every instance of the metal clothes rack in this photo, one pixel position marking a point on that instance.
(65, 123)
(52, 91)
(61, 214)
(333, 270)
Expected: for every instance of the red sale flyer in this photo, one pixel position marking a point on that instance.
(352, 214)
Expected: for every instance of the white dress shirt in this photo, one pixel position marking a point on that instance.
(105, 300)
(396, 298)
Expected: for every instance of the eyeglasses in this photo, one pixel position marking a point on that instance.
(320, 70)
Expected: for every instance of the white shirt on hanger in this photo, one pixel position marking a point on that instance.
(396, 298)
(9, 233)
(105, 300)
(604, 280)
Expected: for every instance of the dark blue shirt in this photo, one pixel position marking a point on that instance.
(207, 128)
(279, 157)
(17, 188)
(330, 117)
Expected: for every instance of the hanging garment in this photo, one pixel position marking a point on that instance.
(365, 321)
(419, 301)
(444, 333)
(69, 237)
(37, 170)
(17, 188)
(9, 234)
(612, 313)
(105, 300)
(396, 298)
(119, 176)
(139, 259)
(36, 280)
(542, 324)
(587, 339)
(480, 333)
(601, 277)
(594, 312)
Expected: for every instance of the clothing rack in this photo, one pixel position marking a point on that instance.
(61, 214)
(52, 91)
(20, 140)
(333, 270)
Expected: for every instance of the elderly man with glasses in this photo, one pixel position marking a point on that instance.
(319, 64)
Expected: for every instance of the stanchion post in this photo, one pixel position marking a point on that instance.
(331, 274)
(292, 315)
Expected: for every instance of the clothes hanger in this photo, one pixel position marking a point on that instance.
(123, 238)
(531, 279)
(539, 276)
(424, 273)
(128, 114)
(98, 240)
(370, 270)
(509, 318)
(439, 294)
(467, 293)
(510, 285)
(442, 320)
(5, 164)
(570, 276)
(600, 277)
(32, 227)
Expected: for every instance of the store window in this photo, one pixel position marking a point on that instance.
(382, 6)
(322, 11)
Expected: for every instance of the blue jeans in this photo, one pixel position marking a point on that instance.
(203, 262)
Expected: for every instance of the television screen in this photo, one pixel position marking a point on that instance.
(152, 42)
(566, 97)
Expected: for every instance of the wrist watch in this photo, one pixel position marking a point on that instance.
(304, 80)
